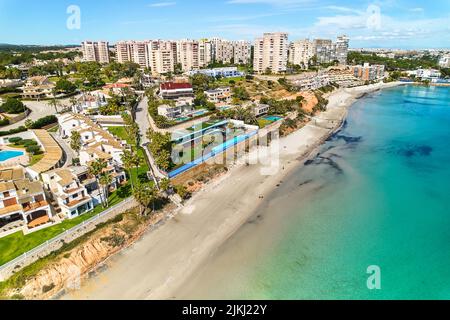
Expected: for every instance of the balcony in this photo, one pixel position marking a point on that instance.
(34, 206)
(77, 202)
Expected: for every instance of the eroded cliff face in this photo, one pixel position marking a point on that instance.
(66, 271)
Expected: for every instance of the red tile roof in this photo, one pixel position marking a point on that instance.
(175, 86)
(116, 85)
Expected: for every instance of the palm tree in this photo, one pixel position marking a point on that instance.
(128, 163)
(54, 103)
(165, 184)
(73, 102)
(105, 181)
(145, 194)
(96, 169)
(75, 141)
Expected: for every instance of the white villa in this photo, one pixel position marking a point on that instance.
(90, 103)
(97, 143)
(38, 88)
(71, 197)
(23, 204)
(219, 95)
(261, 109)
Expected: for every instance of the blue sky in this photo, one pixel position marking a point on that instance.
(385, 23)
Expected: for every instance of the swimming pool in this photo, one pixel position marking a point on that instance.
(272, 118)
(8, 154)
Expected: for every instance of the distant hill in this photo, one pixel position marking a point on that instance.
(32, 48)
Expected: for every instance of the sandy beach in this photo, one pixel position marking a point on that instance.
(161, 262)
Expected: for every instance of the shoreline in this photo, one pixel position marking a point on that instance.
(160, 263)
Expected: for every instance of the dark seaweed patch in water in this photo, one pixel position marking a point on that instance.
(348, 139)
(415, 150)
(305, 182)
(321, 160)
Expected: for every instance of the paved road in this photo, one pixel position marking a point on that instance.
(142, 119)
(70, 154)
(39, 109)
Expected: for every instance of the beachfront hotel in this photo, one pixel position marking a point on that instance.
(271, 53)
(95, 51)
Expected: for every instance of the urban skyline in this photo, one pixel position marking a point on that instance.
(371, 24)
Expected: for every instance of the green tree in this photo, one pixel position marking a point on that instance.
(75, 141)
(105, 181)
(241, 94)
(165, 184)
(65, 86)
(96, 169)
(13, 106)
(145, 195)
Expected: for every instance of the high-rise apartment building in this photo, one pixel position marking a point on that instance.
(205, 53)
(327, 51)
(139, 53)
(301, 52)
(161, 56)
(242, 51)
(271, 53)
(95, 51)
(188, 54)
(342, 49)
(123, 52)
(223, 50)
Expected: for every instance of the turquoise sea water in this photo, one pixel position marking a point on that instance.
(377, 194)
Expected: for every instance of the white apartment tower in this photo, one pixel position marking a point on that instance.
(188, 54)
(162, 57)
(342, 49)
(205, 53)
(95, 51)
(301, 52)
(325, 50)
(123, 52)
(242, 51)
(224, 51)
(139, 53)
(271, 53)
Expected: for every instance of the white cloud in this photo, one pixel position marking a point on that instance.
(343, 9)
(162, 4)
(278, 3)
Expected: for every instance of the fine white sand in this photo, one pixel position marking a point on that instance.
(157, 265)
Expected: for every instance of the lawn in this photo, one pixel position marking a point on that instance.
(262, 123)
(226, 81)
(141, 174)
(35, 158)
(16, 244)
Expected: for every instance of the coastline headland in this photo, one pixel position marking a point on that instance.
(162, 260)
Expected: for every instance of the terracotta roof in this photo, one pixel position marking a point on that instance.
(10, 209)
(27, 188)
(52, 155)
(11, 174)
(7, 186)
(117, 86)
(175, 86)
